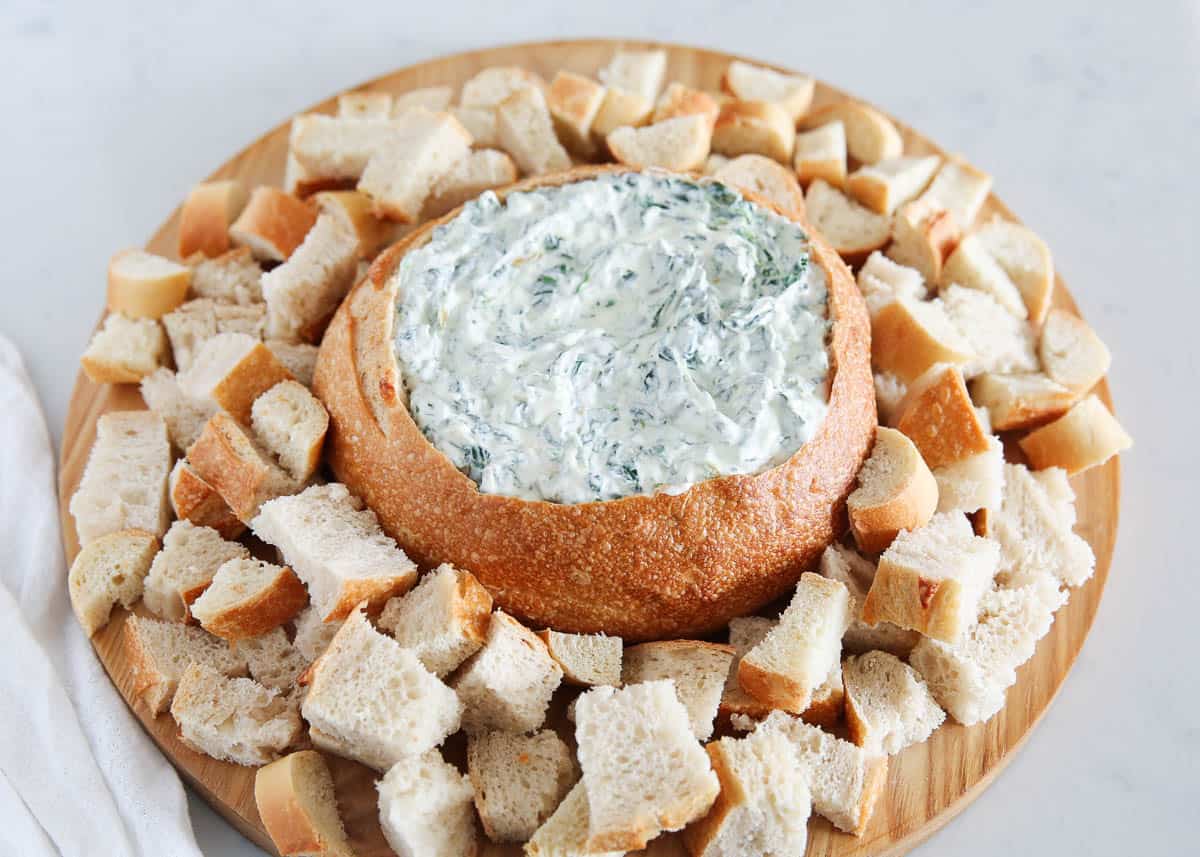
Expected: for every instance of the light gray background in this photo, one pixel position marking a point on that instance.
(1085, 112)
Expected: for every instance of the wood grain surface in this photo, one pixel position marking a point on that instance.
(928, 784)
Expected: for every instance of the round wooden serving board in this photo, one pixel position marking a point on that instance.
(928, 784)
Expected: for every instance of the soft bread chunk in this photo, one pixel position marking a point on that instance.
(643, 770)
(843, 779)
(196, 501)
(291, 423)
(888, 705)
(400, 174)
(764, 803)
(336, 149)
(107, 571)
(1071, 353)
(910, 337)
(495, 84)
(698, 670)
(713, 163)
(820, 154)
(792, 92)
(972, 483)
(184, 568)
(854, 231)
(444, 620)
(273, 661)
(312, 634)
(143, 285)
(235, 464)
(882, 281)
(299, 358)
(374, 701)
(337, 548)
(937, 415)
(1002, 342)
(160, 652)
(525, 130)
(1027, 261)
(870, 136)
(889, 393)
(895, 492)
(229, 372)
(302, 293)
(1020, 401)
(960, 189)
(518, 781)
(679, 144)
(298, 807)
(364, 105)
(765, 178)
(233, 719)
(273, 224)
(797, 655)
(970, 678)
(1035, 532)
(430, 97)
(480, 123)
(972, 266)
(479, 170)
(183, 416)
(754, 128)
(352, 212)
(248, 597)
(679, 100)
(200, 319)
(884, 186)
(1086, 436)
(931, 580)
(573, 101)
(426, 810)
(586, 659)
(640, 72)
(856, 573)
(232, 277)
(924, 234)
(124, 484)
(125, 350)
(620, 108)
(207, 213)
(508, 683)
(565, 832)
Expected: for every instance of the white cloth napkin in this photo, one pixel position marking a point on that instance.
(78, 775)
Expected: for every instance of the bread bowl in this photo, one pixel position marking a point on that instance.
(639, 567)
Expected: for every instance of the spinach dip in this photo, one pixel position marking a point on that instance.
(626, 334)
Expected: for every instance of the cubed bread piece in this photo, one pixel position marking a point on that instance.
(435, 98)
(843, 779)
(820, 154)
(298, 179)
(972, 483)
(889, 393)
(273, 661)
(196, 501)
(754, 127)
(641, 72)
(302, 293)
(233, 719)
(352, 212)
(480, 123)
(713, 163)
(159, 653)
(426, 809)
(888, 705)
(619, 109)
(291, 423)
(444, 620)
(125, 350)
(248, 597)
(299, 358)
(364, 105)
(910, 337)
(969, 678)
(937, 415)
(184, 416)
(1071, 353)
(1020, 401)
(143, 285)
(895, 492)
(924, 234)
(298, 806)
(881, 281)
(1002, 342)
(400, 174)
(273, 224)
(767, 179)
(1086, 436)
(797, 655)
(854, 231)
(1027, 261)
(479, 170)
(643, 769)
(870, 136)
(336, 546)
(508, 683)
(207, 213)
(334, 150)
(856, 573)
(960, 189)
(1034, 529)
(884, 186)
(526, 131)
(184, 568)
(313, 634)
(586, 659)
(698, 670)
(200, 319)
(931, 579)
(124, 484)
(792, 92)
(229, 459)
(972, 266)
(764, 803)
(232, 277)
(679, 144)
(573, 101)
(107, 571)
(496, 83)
(565, 832)
(229, 372)
(374, 700)
(680, 100)
(518, 781)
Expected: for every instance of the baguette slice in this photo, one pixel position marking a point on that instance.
(792, 92)
(229, 372)
(888, 705)
(910, 337)
(400, 174)
(444, 620)
(1086, 436)
(518, 781)
(1071, 353)
(125, 350)
(184, 568)
(565, 832)
(302, 293)
(425, 808)
(870, 136)
(640, 72)
(312, 634)
(678, 144)
(767, 179)
(855, 232)
(184, 417)
(298, 806)
(972, 266)
(232, 277)
(679, 100)
(525, 130)
(820, 154)
(160, 652)
(273, 224)
(291, 423)
(479, 170)
(895, 492)
(1002, 342)
(493, 85)
(884, 186)
(972, 483)
(352, 212)
(754, 128)
(698, 670)
(273, 661)
(207, 213)
(1020, 401)
(364, 105)
(960, 189)
(143, 285)
(196, 501)
(856, 573)
(231, 461)
(1034, 529)
(1027, 261)
(937, 415)
(924, 234)
(107, 571)
(435, 98)
(248, 597)
(573, 101)
(586, 659)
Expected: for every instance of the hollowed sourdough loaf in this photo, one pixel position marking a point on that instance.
(639, 567)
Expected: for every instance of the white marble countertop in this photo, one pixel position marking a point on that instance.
(1088, 120)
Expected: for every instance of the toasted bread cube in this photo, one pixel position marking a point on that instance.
(1026, 260)
(493, 85)
(400, 174)
(1071, 352)
(888, 705)
(107, 571)
(233, 719)
(767, 179)
(870, 136)
(303, 293)
(856, 573)
(679, 100)
(820, 155)
(895, 492)
(909, 337)
(573, 101)
(937, 415)
(207, 213)
(196, 501)
(143, 285)
(697, 668)
(273, 224)
(1086, 436)
(351, 210)
(972, 483)
(754, 128)
(586, 659)
(185, 567)
(479, 170)
(364, 105)
(159, 652)
(230, 371)
(125, 350)
(640, 72)
(792, 92)
(960, 189)
(1020, 401)
(854, 231)
(518, 781)
(525, 130)
(298, 807)
(885, 185)
(425, 808)
(924, 234)
(679, 144)
(248, 597)
(232, 461)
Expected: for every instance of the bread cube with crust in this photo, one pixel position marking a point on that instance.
(185, 567)
(939, 418)
(887, 184)
(160, 652)
(518, 781)
(247, 598)
(525, 129)
(298, 806)
(959, 189)
(229, 372)
(870, 136)
(754, 127)
(854, 231)
(586, 659)
(888, 705)
(767, 179)
(292, 423)
(697, 668)
(206, 215)
(895, 492)
(573, 101)
(924, 234)
(273, 224)
(1086, 436)
(565, 832)
(233, 462)
(820, 154)
(425, 808)
(108, 571)
(640, 72)
(125, 350)
(479, 170)
(856, 573)
(232, 277)
(145, 285)
(748, 82)
(400, 174)
(678, 144)
(1071, 352)
(302, 293)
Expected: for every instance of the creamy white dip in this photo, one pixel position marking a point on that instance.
(623, 335)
